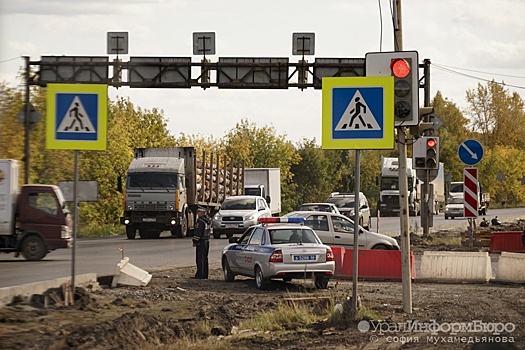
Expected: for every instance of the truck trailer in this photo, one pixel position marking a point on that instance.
(165, 186)
(264, 182)
(34, 219)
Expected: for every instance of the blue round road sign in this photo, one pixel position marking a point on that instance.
(470, 152)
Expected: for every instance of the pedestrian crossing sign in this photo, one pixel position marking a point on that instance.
(358, 113)
(76, 116)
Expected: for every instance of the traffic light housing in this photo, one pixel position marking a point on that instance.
(425, 152)
(404, 67)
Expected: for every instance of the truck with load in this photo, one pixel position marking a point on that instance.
(34, 219)
(456, 190)
(264, 182)
(165, 186)
(389, 188)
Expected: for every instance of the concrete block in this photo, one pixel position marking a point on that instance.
(130, 274)
(456, 266)
(511, 268)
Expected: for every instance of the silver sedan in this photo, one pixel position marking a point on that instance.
(275, 249)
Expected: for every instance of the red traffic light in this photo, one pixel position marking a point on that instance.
(400, 67)
(431, 143)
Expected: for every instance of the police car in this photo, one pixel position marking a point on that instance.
(278, 248)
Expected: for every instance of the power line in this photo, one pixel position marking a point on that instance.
(443, 68)
(478, 71)
(10, 59)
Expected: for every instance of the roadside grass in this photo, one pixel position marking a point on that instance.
(443, 240)
(287, 315)
(101, 230)
(293, 315)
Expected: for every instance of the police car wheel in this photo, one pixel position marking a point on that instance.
(229, 276)
(259, 278)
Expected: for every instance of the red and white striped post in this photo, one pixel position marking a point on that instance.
(470, 198)
(470, 192)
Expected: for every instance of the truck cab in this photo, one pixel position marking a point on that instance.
(34, 219)
(41, 223)
(389, 188)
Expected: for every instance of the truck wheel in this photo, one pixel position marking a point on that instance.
(131, 232)
(216, 235)
(33, 248)
(229, 235)
(181, 230)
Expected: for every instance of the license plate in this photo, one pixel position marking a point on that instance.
(231, 226)
(149, 219)
(304, 258)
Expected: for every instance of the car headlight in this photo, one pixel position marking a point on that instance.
(217, 217)
(249, 217)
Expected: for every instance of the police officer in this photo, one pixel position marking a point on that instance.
(201, 242)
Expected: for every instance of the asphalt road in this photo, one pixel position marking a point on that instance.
(101, 256)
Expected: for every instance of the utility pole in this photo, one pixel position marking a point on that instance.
(403, 181)
(427, 206)
(26, 123)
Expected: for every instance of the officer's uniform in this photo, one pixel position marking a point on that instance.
(201, 241)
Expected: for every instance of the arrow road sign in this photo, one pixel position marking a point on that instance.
(470, 152)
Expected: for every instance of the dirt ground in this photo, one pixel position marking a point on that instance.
(176, 312)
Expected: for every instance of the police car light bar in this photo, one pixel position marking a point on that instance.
(280, 220)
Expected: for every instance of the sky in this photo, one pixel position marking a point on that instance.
(467, 42)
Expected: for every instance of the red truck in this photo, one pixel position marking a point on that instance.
(34, 219)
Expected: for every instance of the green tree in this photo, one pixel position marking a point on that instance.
(313, 174)
(497, 115)
(452, 133)
(507, 160)
(261, 147)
